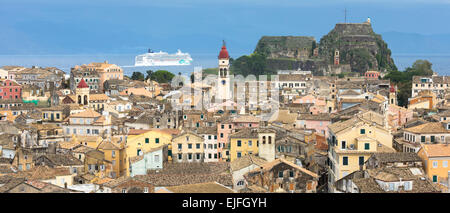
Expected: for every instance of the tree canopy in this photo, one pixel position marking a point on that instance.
(137, 76)
(254, 64)
(160, 76)
(404, 79)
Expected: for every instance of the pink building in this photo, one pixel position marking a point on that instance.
(398, 116)
(320, 105)
(372, 74)
(224, 129)
(10, 90)
(246, 121)
(318, 122)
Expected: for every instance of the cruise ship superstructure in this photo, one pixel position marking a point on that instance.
(163, 59)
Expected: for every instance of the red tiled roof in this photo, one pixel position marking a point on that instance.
(82, 84)
(224, 52)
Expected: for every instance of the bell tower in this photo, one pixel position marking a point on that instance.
(392, 95)
(336, 57)
(82, 93)
(223, 79)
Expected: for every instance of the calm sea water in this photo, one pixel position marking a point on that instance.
(441, 63)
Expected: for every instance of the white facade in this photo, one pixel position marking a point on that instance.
(210, 148)
(224, 91)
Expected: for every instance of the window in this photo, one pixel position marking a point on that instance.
(343, 145)
(156, 140)
(147, 140)
(408, 186)
(435, 179)
(113, 162)
(209, 137)
(239, 143)
(145, 189)
(189, 146)
(222, 126)
(445, 164)
(221, 135)
(435, 164)
(363, 131)
(280, 174)
(180, 156)
(239, 154)
(361, 160)
(229, 126)
(345, 161)
(250, 143)
(187, 138)
(197, 146)
(138, 152)
(291, 173)
(422, 138)
(190, 156)
(367, 146)
(432, 138)
(180, 146)
(240, 183)
(113, 154)
(215, 137)
(124, 190)
(391, 186)
(198, 156)
(157, 158)
(215, 156)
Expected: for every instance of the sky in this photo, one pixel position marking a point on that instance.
(199, 26)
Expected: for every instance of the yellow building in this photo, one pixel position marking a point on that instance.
(188, 147)
(140, 141)
(115, 152)
(55, 114)
(243, 143)
(89, 141)
(436, 158)
(353, 141)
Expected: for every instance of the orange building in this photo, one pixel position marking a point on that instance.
(425, 100)
(105, 71)
(436, 158)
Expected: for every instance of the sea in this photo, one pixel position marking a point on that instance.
(441, 63)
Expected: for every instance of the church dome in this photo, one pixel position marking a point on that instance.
(224, 52)
(82, 84)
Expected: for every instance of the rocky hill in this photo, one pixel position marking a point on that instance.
(294, 47)
(358, 45)
(360, 50)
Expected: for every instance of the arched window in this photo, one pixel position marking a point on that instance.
(79, 99)
(264, 139)
(85, 100)
(270, 140)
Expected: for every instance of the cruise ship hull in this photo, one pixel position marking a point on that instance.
(163, 59)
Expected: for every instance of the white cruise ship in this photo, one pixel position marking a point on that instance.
(163, 59)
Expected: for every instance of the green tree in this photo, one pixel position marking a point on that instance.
(422, 67)
(137, 76)
(404, 79)
(149, 74)
(162, 76)
(254, 64)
